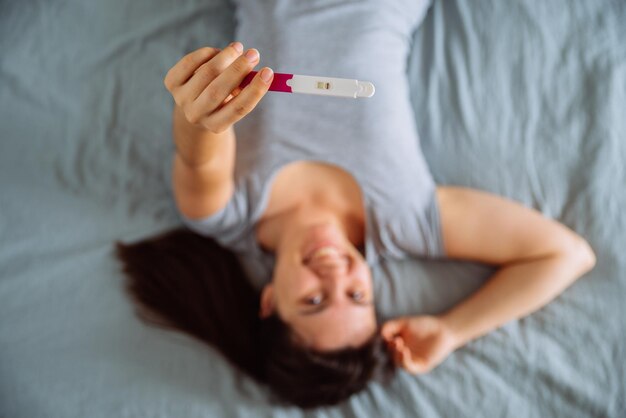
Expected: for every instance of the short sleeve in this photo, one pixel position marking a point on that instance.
(416, 232)
(230, 226)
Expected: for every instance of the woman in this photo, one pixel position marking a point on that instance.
(314, 213)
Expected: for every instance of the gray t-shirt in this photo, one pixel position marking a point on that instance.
(374, 139)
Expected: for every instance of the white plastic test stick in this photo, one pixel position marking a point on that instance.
(322, 86)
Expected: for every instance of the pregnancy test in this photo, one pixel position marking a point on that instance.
(323, 86)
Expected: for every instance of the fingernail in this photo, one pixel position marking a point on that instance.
(266, 74)
(252, 55)
(238, 46)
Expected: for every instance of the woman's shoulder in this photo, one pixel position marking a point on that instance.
(412, 229)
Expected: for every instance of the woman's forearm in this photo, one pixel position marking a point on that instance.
(203, 167)
(516, 290)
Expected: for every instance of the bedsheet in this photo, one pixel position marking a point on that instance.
(522, 98)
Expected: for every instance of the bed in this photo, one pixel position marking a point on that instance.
(525, 99)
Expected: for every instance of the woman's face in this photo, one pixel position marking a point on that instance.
(322, 287)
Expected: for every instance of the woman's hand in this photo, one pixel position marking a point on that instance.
(205, 86)
(419, 343)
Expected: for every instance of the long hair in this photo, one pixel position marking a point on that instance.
(183, 281)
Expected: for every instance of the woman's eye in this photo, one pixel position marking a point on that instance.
(314, 300)
(358, 296)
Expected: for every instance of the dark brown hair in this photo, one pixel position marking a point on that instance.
(181, 280)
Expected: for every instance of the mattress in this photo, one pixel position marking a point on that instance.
(523, 99)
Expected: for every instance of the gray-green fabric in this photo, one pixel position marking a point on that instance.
(521, 98)
(374, 140)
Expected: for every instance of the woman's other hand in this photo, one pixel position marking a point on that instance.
(418, 343)
(205, 85)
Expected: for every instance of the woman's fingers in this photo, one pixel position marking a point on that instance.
(208, 82)
(206, 73)
(205, 85)
(398, 348)
(228, 80)
(232, 76)
(409, 363)
(392, 328)
(414, 365)
(234, 93)
(398, 358)
(403, 357)
(185, 68)
(240, 106)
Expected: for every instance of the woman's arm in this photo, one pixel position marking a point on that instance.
(203, 166)
(205, 87)
(538, 258)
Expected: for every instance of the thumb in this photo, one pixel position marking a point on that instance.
(392, 328)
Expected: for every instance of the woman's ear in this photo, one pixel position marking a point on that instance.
(267, 301)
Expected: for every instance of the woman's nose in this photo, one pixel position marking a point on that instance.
(330, 267)
(331, 271)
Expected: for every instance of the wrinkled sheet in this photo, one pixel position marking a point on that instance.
(525, 99)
